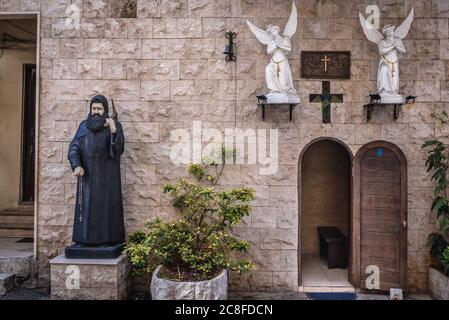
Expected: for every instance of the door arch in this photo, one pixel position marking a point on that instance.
(379, 219)
(344, 149)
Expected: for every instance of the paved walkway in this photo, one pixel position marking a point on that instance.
(10, 248)
(27, 294)
(44, 294)
(302, 296)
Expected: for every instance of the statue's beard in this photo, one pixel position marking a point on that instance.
(96, 122)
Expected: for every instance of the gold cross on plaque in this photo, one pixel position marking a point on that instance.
(325, 60)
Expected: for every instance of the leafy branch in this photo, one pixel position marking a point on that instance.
(198, 244)
(437, 163)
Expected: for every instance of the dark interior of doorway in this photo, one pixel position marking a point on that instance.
(325, 202)
(28, 133)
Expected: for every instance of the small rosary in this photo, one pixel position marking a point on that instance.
(80, 198)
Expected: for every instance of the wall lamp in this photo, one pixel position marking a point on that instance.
(229, 48)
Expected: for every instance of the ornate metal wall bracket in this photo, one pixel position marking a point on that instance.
(262, 103)
(376, 100)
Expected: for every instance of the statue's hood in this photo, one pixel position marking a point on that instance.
(102, 99)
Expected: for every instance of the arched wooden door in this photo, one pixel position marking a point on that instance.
(380, 217)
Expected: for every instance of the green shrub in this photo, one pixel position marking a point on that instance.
(437, 162)
(444, 258)
(198, 245)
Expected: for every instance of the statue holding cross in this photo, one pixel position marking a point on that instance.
(326, 98)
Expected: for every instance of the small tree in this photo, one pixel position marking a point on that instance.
(198, 245)
(437, 162)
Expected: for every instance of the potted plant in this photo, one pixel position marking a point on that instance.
(189, 257)
(437, 162)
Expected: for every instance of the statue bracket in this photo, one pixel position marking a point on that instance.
(376, 100)
(262, 102)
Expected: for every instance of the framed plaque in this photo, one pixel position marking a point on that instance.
(326, 64)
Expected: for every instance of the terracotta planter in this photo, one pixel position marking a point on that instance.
(214, 289)
(438, 284)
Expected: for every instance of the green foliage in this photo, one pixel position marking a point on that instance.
(197, 245)
(437, 163)
(444, 258)
(436, 243)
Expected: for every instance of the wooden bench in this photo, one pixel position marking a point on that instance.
(333, 245)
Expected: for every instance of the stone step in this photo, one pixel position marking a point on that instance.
(17, 212)
(17, 222)
(16, 233)
(6, 283)
(25, 226)
(20, 266)
(20, 219)
(29, 206)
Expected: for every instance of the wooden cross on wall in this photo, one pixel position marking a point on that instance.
(326, 98)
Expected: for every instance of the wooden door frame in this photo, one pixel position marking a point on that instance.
(355, 275)
(23, 124)
(300, 213)
(33, 15)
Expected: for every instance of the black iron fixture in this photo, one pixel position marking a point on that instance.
(376, 99)
(229, 49)
(262, 102)
(410, 99)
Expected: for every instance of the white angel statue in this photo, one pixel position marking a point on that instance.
(278, 73)
(389, 43)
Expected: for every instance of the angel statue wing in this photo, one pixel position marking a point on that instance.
(402, 31)
(261, 35)
(371, 33)
(292, 23)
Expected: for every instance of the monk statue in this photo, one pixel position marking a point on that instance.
(94, 156)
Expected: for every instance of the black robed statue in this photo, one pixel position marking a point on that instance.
(94, 155)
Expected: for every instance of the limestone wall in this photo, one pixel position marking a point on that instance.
(165, 68)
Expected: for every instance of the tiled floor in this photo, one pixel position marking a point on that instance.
(316, 274)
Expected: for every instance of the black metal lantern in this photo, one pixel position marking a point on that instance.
(229, 48)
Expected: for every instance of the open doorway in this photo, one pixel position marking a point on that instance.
(325, 184)
(18, 109)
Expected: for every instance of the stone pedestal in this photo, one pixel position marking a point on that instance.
(391, 98)
(282, 98)
(90, 279)
(103, 252)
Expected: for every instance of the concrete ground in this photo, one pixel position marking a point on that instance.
(303, 296)
(44, 294)
(10, 248)
(27, 294)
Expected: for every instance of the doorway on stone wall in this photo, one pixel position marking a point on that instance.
(18, 109)
(325, 172)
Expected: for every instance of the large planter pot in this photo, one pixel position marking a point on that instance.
(438, 284)
(214, 289)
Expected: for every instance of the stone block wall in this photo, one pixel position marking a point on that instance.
(162, 63)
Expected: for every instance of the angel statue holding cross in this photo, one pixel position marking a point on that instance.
(278, 73)
(390, 44)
